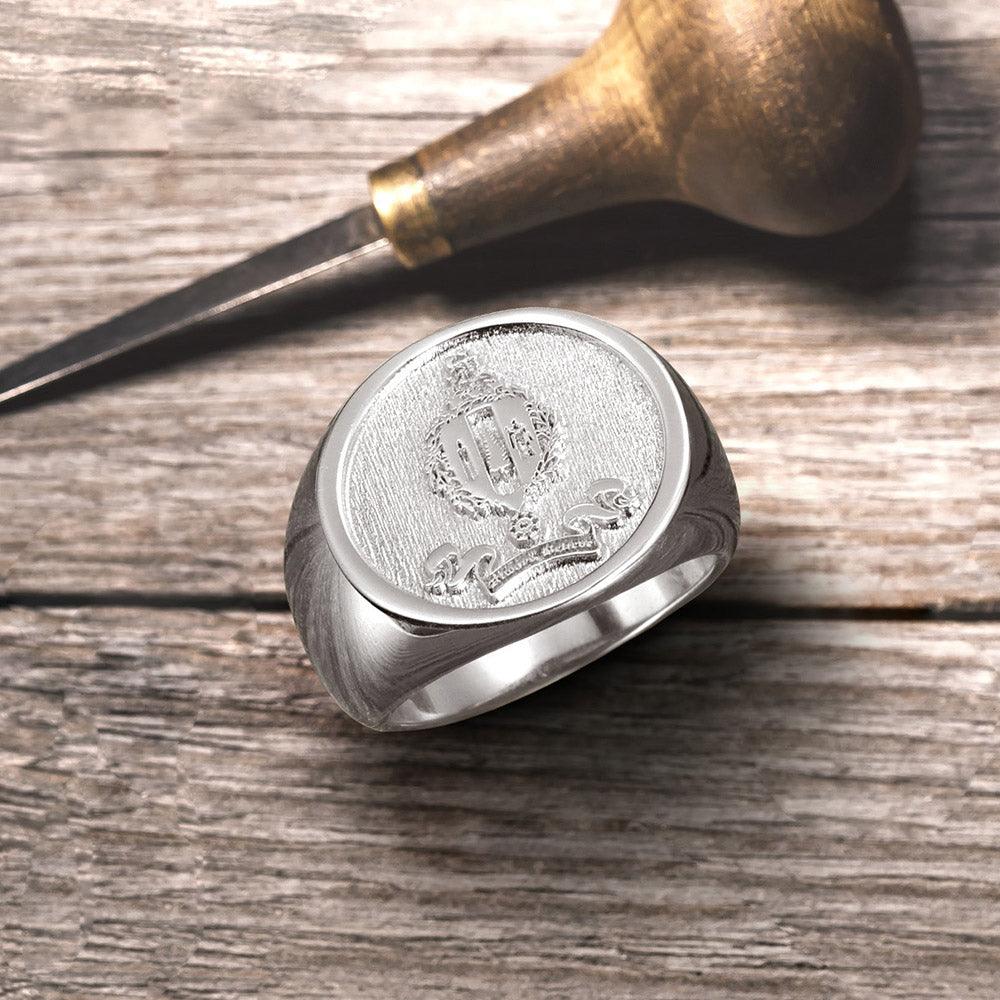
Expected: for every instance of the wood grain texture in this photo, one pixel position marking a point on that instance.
(784, 809)
(733, 806)
(852, 379)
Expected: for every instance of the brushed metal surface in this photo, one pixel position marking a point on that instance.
(605, 423)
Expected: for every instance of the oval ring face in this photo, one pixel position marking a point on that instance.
(502, 467)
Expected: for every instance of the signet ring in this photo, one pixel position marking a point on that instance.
(496, 506)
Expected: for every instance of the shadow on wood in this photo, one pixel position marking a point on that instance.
(675, 746)
(866, 260)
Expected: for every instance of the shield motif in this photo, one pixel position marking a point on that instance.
(493, 450)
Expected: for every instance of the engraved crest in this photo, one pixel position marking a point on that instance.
(493, 452)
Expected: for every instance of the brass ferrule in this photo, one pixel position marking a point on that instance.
(403, 205)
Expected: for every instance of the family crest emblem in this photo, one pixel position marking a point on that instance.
(494, 449)
(493, 452)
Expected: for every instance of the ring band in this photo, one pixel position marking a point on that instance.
(496, 506)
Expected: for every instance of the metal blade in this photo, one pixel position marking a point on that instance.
(355, 238)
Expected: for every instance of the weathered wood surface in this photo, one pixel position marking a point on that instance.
(781, 808)
(853, 379)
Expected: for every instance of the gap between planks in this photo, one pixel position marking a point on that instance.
(700, 610)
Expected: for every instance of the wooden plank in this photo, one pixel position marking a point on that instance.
(852, 379)
(576, 22)
(783, 808)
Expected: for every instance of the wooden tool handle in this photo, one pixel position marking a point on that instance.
(795, 116)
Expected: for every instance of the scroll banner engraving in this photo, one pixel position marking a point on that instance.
(449, 571)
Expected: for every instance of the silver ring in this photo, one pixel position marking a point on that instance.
(496, 506)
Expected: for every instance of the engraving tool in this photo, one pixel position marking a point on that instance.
(795, 116)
